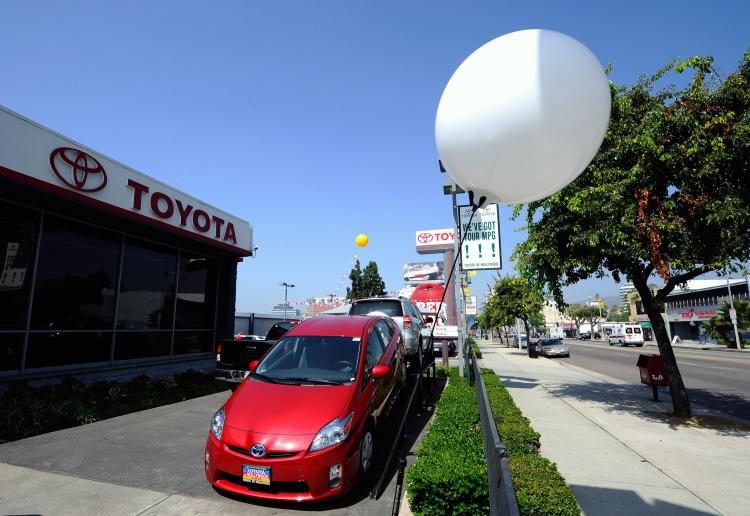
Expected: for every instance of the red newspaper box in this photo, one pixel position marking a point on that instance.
(652, 372)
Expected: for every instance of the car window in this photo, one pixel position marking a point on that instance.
(312, 357)
(385, 332)
(637, 330)
(416, 311)
(374, 348)
(391, 308)
(628, 330)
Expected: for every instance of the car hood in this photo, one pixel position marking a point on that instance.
(271, 408)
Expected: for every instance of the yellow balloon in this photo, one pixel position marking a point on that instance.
(361, 240)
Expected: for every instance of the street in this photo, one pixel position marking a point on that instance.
(715, 379)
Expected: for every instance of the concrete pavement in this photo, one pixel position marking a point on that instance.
(618, 450)
(144, 463)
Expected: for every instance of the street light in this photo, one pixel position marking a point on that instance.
(286, 286)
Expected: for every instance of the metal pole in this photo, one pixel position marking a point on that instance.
(286, 304)
(457, 250)
(734, 319)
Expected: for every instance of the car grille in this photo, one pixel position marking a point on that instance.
(275, 487)
(271, 455)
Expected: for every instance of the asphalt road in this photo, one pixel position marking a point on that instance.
(719, 380)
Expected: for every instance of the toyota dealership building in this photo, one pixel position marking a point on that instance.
(103, 267)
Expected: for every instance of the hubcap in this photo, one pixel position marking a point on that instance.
(366, 452)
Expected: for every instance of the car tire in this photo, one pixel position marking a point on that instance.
(611, 343)
(639, 345)
(366, 449)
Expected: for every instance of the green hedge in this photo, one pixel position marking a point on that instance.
(450, 474)
(26, 411)
(477, 351)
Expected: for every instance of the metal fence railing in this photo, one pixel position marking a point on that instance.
(503, 501)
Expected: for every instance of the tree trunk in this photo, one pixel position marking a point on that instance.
(680, 401)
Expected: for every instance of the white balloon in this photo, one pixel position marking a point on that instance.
(523, 116)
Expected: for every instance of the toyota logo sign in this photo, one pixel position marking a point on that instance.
(424, 238)
(78, 169)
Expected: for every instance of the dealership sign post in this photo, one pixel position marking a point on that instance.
(481, 238)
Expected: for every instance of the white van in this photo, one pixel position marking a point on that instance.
(626, 335)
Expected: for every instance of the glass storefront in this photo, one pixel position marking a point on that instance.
(93, 296)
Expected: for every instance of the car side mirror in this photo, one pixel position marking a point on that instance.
(380, 371)
(252, 365)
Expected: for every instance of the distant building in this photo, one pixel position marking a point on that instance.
(688, 307)
(625, 291)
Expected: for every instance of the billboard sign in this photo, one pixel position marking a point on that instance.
(481, 238)
(471, 305)
(427, 271)
(430, 241)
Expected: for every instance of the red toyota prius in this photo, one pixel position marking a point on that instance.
(302, 426)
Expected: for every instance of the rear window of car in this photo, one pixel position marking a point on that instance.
(389, 308)
(550, 342)
(637, 330)
(628, 330)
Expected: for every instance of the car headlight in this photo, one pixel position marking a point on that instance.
(217, 423)
(332, 434)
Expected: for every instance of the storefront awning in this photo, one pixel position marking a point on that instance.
(646, 324)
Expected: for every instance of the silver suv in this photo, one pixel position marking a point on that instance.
(407, 316)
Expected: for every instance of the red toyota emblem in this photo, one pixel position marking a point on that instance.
(424, 238)
(78, 170)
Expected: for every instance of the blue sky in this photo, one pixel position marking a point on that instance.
(314, 120)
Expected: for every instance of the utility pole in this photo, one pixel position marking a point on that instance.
(733, 316)
(286, 286)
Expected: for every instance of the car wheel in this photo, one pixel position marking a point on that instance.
(611, 343)
(639, 345)
(366, 449)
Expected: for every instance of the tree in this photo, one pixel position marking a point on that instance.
(667, 194)
(372, 283)
(355, 276)
(512, 297)
(580, 313)
(720, 326)
(618, 314)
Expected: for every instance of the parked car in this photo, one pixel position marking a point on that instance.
(523, 339)
(234, 355)
(553, 348)
(626, 335)
(408, 318)
(303, 425)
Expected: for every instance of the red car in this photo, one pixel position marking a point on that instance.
(302, 425)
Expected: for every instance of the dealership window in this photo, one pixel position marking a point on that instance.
(19, 229)
(11, 347)
(196, 292)
(140, 344)
(146, 299)
(76, 277)
(66, 348)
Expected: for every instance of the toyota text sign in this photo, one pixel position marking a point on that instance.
(435, 240)
(37, 156)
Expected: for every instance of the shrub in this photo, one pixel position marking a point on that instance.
(540, 488)
(450, 474)
(477, 351)
(26, 411)
(514, 428)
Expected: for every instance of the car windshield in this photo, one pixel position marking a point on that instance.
(311, 359)
(551, 342)
(389, 308)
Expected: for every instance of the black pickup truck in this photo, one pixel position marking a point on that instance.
(234, 355)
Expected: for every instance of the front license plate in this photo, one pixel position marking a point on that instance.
(256, 474)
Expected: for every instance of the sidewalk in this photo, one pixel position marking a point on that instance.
(616, 448)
